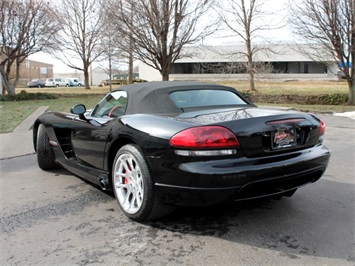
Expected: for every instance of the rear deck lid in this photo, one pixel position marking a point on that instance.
(262, 132)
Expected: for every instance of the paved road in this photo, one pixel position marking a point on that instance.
(55, 218)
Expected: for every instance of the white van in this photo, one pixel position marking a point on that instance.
(56, 82)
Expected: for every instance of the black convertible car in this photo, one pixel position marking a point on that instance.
(161, 144)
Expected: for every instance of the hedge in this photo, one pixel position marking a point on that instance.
(24, 96)
(323, 99)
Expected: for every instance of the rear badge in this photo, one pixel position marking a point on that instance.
(284, 138)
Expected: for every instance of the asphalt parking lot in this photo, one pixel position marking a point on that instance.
(56, 218)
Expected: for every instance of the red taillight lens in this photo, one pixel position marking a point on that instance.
(322, 127)
(204, 137)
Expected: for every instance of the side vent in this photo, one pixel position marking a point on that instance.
(63, 136)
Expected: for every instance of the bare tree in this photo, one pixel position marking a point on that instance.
(119, 47)
(330, 23)
(26, 27)
(246, 19)
(157, 30)
(112, 55)
(82, 29)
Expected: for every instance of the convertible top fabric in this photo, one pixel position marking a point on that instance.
(153, 97)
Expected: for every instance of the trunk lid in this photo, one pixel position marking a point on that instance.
(262, 131)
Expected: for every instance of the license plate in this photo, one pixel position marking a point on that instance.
(284, 138)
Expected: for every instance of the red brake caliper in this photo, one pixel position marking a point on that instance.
(125, 180)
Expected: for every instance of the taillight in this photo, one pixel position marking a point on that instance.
(204, 137)
(321, 130)
(322, 127)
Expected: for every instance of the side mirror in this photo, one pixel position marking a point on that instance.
(80, 110)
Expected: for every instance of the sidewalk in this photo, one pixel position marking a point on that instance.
(19, 141)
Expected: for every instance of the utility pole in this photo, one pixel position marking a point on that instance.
(130, 59)
(110, 59)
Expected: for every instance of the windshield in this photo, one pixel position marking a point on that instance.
(113, 105)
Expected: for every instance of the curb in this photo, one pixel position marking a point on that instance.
(19, 142)
(28, 122)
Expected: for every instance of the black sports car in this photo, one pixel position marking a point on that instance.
(160, 144)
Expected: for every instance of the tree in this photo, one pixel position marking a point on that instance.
(27, 27)
(246, 19)
(331, 24)
(116, 47)
(82, 29)
(159, 29)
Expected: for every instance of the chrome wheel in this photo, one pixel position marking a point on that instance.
(128, 183)
(133, 185)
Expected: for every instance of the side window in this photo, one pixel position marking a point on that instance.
(113, 105)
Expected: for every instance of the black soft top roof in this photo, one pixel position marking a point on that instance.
(153, 97)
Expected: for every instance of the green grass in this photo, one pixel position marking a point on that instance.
(267, 87)
(13, 113)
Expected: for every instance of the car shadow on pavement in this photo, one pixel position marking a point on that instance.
(314, 222)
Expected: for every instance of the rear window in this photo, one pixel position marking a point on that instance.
(205, 98)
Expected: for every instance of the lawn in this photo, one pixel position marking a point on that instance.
(266, 87)
(12, 113)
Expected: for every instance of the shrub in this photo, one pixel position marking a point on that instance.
(334, 99)
(322, 99)
(24, 96)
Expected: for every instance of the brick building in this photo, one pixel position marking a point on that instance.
(30, 69)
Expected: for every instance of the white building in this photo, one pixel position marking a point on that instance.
(288, 62)
(98, 74)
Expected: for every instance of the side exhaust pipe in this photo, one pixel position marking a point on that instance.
(103, 182)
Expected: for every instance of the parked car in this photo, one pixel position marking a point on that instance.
(56, 82)
(161, 144)
(36, 83)
(74, 82)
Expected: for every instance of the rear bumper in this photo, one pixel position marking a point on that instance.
(211, 182)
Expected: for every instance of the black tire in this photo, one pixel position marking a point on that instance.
(45, 154)
(133, 186)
